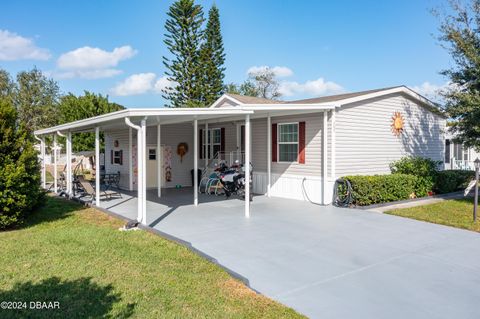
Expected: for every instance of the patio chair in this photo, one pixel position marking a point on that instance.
(90, 190)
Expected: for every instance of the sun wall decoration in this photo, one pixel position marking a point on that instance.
(397, 123)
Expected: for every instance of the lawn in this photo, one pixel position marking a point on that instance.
(456, 212)
(77, 256)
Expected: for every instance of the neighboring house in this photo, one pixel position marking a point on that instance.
(298, 148)
(458, 156)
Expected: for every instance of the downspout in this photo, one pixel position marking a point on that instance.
(42, 153)
(139, 168)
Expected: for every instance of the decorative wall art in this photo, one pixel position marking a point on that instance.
(182, 149)
(167, 163)
(397, 123)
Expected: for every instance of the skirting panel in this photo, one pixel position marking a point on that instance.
(290, 186)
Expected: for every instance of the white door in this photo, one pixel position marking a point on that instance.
(153, 165)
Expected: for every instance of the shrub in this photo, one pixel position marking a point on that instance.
(424, 168)
(19, 170)
(374, 189)
(452, 180)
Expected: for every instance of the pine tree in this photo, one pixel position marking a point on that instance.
(213, 58)
(183, 39)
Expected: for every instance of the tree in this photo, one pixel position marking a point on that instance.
(73, 108)
(36, 100)
(212, 59)
(19, 168)
(183, 39)
(7, 86)
(261, 83)
(460, 35)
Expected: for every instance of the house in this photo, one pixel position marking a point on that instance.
(458, 156)
(297, 148)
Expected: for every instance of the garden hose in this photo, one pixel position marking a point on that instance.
(342, 193)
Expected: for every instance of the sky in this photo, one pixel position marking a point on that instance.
(316, 48)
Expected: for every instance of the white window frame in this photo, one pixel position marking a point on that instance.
(116, 155)
(211, 143)
(278, 141)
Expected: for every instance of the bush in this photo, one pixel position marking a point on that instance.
(374, 189)
(424, 168)
(452, 180)
(19, 170)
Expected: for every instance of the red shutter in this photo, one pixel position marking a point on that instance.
(301, 142)
(242, 138)
(222, 139)
(274, 142)
(200, 141)
(111, 156)
(121, 157)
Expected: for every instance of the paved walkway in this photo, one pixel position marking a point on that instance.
(328, 262)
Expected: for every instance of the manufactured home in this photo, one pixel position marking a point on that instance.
(297, 148)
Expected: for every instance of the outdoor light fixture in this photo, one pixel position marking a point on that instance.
(475, 203)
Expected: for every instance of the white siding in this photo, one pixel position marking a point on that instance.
(366, 145)
(122, 137)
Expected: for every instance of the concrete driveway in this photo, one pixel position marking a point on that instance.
(327, 262)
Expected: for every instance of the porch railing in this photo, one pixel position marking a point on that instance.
(462, 165)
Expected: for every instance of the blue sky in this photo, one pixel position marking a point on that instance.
(318, 47)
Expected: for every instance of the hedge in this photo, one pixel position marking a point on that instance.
(453, 180)
(374, 189)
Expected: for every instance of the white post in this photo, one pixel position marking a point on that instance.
(325, 157)
(247, 165)
(195, 162)
(55, 169)
(69, 163)
(333, 146)
(159, 168)
(97, 166)
(143, 125)
(44, 171)
(269, 154)
(130, 162)
(139, 168)
(207, 146)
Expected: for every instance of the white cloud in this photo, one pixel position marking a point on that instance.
(312, 87)
(92, 63)
(432, 91)
(135, 84)
(142, 83)
(163, 83)
(279, 71)
(15, 47)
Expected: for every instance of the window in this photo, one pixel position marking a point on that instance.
(152, 154)
(447, 151)
(117, 157)
(214, 141)
(287, 142)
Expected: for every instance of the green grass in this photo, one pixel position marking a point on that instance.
(76, 256)
(456, 212)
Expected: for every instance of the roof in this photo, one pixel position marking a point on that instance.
(251, 99)
(339, 97)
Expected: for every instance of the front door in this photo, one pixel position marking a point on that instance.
(153, 165)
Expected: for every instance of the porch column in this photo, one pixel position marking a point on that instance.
(269, 154)
(130, 162)
(159, 162)
(97, 166)
(143, 125)
(325, 157)
(44, 172)
(139, 167)
(247, 166)
(195, 162)
(69, 163)
(55, 170)
(207, 146)
(333, 146)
